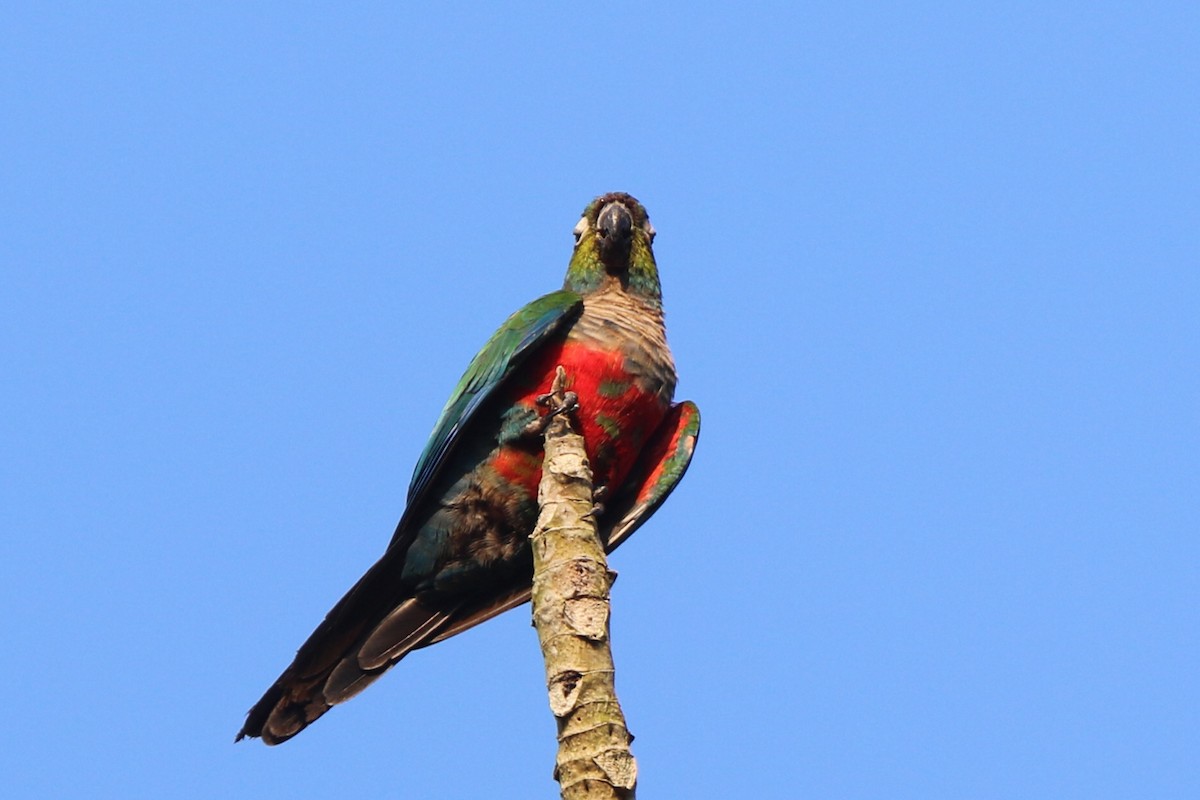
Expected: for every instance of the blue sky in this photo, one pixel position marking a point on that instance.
(930, 271)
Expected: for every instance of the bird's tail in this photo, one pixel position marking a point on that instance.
(368, 631)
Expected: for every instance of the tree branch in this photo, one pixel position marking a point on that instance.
(571, 583)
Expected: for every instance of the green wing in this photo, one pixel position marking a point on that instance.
(658, 471)
(504, 352)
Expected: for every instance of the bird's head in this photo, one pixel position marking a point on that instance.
(613, 246)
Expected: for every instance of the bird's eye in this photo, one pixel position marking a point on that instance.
(580, 228)
(650, 232)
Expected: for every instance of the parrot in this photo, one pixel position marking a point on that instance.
(460, 553)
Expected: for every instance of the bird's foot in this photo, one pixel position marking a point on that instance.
(566, 403)
(599, 495)
(557, 401)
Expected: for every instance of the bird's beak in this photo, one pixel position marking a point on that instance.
(614, 226)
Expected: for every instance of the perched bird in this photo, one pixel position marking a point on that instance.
(460, 554)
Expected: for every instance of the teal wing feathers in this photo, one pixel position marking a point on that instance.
(508, 348)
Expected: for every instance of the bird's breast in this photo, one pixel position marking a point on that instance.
(618, 363)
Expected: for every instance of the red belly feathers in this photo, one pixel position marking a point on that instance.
(615, 416)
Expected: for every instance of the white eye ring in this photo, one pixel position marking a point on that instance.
(580, 228)
(650, 232)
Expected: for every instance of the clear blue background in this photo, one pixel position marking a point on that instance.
(930, 272)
